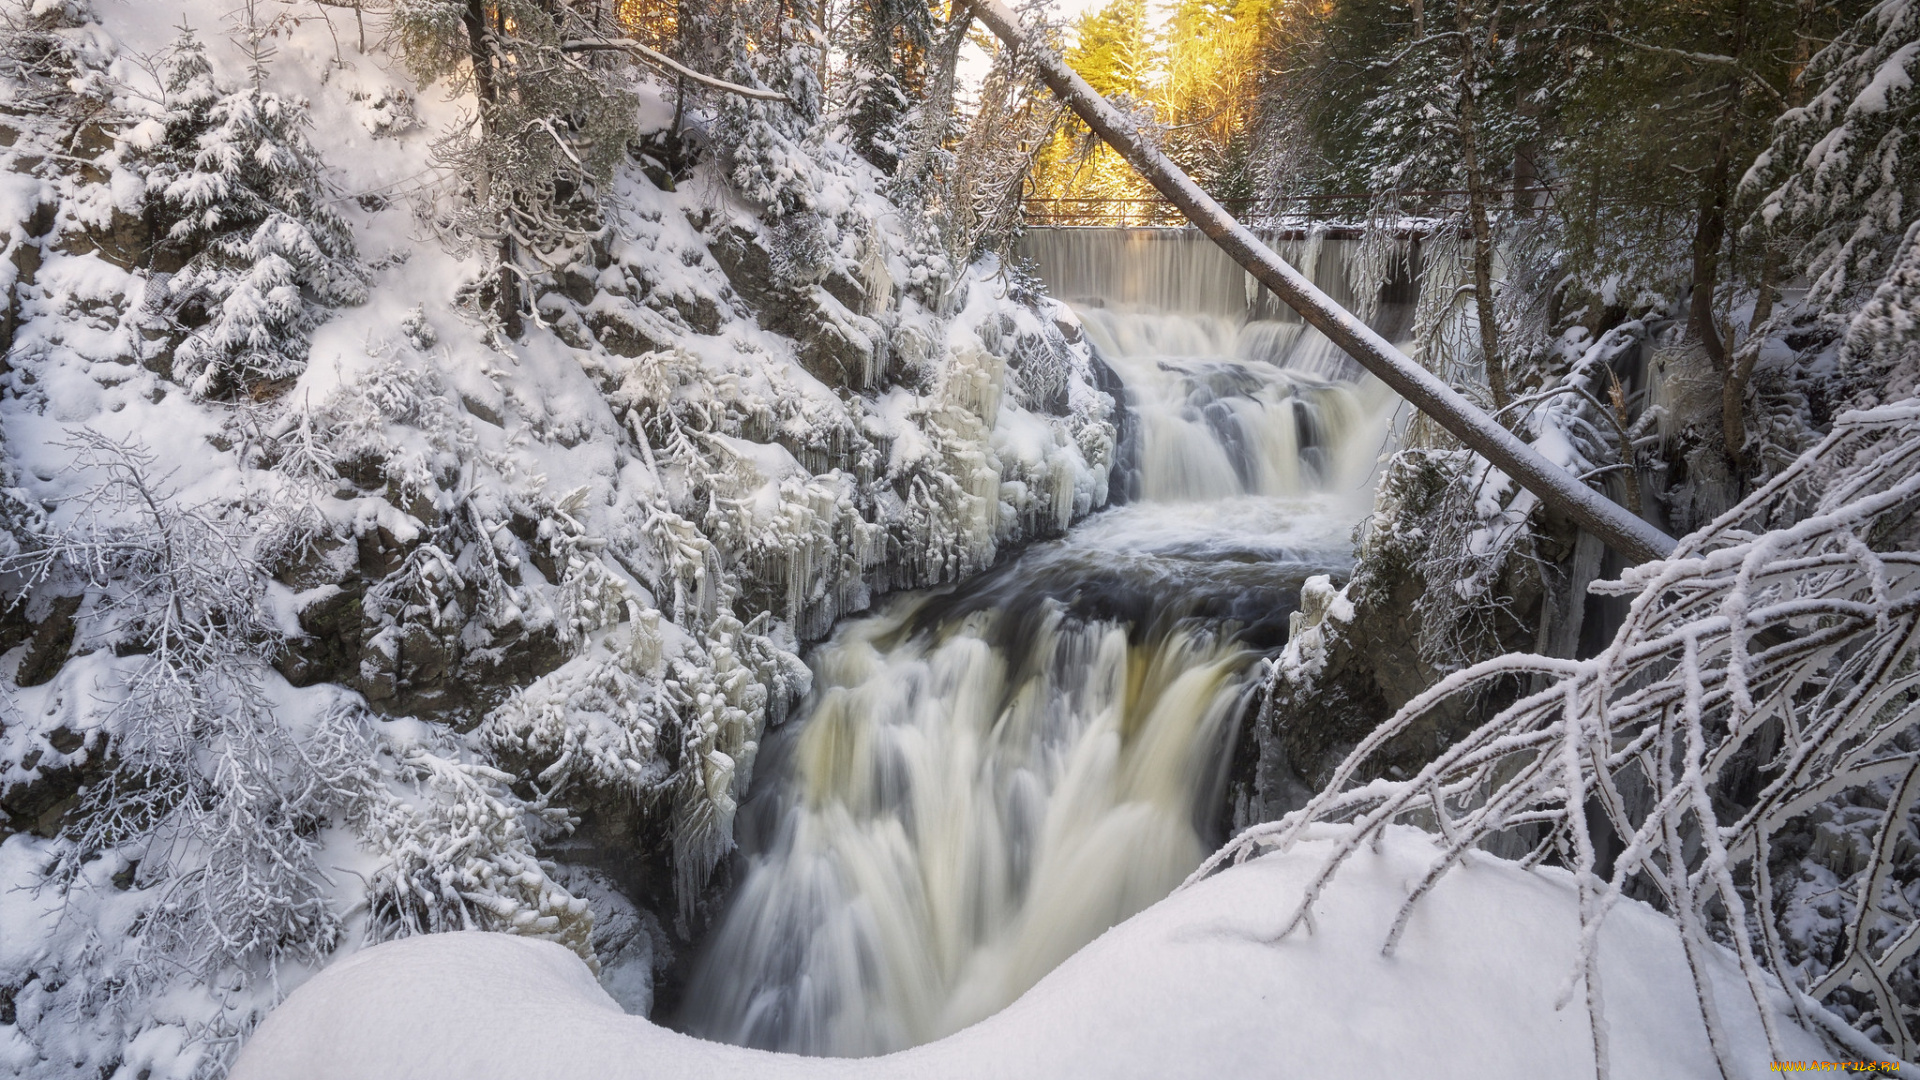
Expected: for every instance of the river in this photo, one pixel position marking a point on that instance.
(987, 777)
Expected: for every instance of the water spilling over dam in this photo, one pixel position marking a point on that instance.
(987, 777)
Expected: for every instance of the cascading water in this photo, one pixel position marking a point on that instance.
(988, 777)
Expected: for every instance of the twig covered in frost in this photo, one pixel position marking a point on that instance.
(661, 59)
(211, 792)
(1780, 639)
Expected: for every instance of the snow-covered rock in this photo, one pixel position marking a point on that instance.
(1192, 987)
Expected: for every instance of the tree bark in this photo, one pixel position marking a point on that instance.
(487, 90)
(1709, 234)
(1496, 367)
(1535, 65)
(1555, 487)
(479, 54)
(1733, 413)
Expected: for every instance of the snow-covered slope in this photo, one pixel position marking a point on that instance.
(1189, 988)
(329, 607)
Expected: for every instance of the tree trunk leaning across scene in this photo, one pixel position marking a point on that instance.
(1613, 524)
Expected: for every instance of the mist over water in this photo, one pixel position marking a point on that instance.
(987, 777)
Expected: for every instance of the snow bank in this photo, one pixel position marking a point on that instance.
(1189, 988)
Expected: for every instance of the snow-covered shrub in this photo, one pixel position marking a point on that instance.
(203, 799)
(1763, 672)
(191, 728)
(477, 554)
(523, 175)
(209, 790)
(757, 43)
(241, 208)
(456, 846)
(1441, 517)
(598, 719)
(50, 58)
(606, 725)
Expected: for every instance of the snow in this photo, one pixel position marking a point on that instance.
(956, 455)
(619, 502)
(1192, 987)
(1891, 78)
(1835, 165)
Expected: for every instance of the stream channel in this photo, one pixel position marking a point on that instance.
(987, 777)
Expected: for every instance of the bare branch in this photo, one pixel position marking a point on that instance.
(1787, 649)
(675, 66)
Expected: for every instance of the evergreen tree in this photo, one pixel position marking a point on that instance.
(1114, 50)
(888, 68)
(1839, 177)
(1420, 98)
(1661, 110)
(1212, 89)
(1641, 114)
(239, 204)
(1204, 79)
(1881, 352)
(761, 43)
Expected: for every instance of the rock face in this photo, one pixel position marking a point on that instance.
(1359, 653)
(437, 668)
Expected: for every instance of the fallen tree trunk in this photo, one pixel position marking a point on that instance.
(1620, 530)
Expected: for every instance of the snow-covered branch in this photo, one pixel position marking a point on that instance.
(654, 56)
(1775, 649)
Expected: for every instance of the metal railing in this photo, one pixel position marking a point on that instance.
(1351, 211)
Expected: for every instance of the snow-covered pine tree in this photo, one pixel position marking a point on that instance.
(1881, 354)
(1839, 176)
(888, 69)
(1661, 109)
(759, 43)
(240, 206)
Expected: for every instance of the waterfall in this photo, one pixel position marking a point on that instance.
(1224, 410)
(1180, 271)
(961, 817)
(989, 776)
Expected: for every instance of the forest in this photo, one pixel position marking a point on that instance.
(602, 538)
